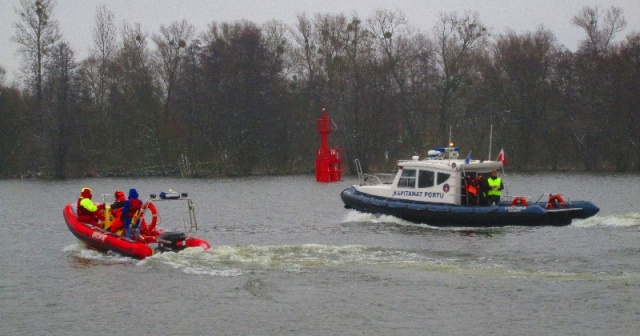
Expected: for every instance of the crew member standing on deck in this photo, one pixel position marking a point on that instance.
(483, 187)
(473, 187)
(495, 188)
(130, 210)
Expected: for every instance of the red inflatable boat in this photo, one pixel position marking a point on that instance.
(147, 241)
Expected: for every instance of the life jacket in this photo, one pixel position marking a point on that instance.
(85, 215)
(116, 224)
(134, 206)
(116, 212)
(82, 211)
(471, 187)
(494, 182)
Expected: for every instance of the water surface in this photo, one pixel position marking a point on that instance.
(288, 259)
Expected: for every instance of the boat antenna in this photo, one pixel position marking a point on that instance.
(450, 143)
(490, 140)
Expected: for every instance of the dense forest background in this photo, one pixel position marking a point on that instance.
(242, 99)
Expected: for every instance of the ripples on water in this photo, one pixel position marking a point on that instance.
(287, 258)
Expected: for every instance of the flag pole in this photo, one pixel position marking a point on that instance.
(490, 140)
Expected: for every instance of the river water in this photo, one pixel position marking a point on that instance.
(288, 259)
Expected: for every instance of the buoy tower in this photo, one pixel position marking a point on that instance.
(328, 160)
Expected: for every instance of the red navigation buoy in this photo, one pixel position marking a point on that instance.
(328, 160)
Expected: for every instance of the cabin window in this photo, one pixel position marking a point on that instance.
(407, 179)
(425, 179)
(443, 177)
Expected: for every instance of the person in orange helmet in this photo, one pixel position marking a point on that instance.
(116, 211)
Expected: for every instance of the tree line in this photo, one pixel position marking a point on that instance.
(241, 98)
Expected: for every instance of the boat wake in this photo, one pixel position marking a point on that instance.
(233, 261)
(619, 220)
(356, 217)
(361, 217)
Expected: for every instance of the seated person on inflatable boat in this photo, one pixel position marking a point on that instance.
(116, 213)
(88, 211)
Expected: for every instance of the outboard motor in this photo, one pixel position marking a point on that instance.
(172, 241)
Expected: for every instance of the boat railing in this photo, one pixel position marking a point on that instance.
(107, 197)
(192, 226)
(511, 199)
(379, 178)
(554, 199)
(372, 179)
(359, 170)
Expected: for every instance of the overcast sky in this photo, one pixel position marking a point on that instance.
(77, 17)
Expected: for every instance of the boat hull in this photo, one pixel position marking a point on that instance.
(105, 241)
(466, 216)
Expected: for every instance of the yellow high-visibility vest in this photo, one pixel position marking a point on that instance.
(494, 183)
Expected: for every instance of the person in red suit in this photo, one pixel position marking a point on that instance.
(88, 211)
(116, 211)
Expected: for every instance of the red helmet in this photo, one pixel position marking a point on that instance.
(86, 193)
(119, 195)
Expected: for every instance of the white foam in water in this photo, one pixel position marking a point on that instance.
(232, 261)
(359, 217)
(195, 261)
(220, 273)
(299, 257)
(622, 220)
(82, 251)
(355, 216)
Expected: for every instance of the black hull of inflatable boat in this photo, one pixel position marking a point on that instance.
(444, 215)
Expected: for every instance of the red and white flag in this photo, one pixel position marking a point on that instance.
(501, 157)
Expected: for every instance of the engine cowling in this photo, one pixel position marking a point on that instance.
(172, 241)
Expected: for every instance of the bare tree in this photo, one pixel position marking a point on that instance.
(305, 49)
(600, 27)
(3, 73)
(137, 100)
(393, 39)
(171, 44)
(104, 51)
(277, 41)
(60, 94)
(523, 76)
(628, 84)
(36, 33)
(459, 38)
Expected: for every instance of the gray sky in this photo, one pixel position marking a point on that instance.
(77, 17)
